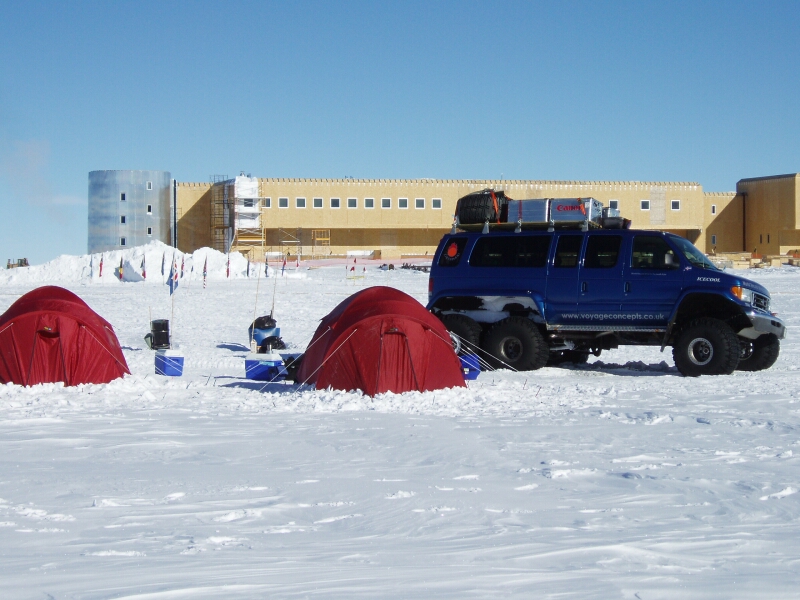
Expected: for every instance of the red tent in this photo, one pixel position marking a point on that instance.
(381, 340)
(52, 335)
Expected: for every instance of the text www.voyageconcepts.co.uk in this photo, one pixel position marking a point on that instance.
(614, 316)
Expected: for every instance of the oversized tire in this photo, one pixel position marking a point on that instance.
(706, 347)
(479, 207)
(758, 354)
(467, 333)
(516, 343)
(567, 356)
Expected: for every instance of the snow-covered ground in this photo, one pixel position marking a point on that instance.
(619, 479)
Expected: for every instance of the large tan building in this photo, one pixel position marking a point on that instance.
(396, 218)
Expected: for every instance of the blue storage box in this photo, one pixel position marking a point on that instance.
(265, 367)
(169, 362)
(470, 366)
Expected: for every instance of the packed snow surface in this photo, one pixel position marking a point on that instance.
(616, 479)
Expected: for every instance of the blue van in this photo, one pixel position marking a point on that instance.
(528, 298)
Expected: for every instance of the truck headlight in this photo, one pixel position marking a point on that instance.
(743, 294)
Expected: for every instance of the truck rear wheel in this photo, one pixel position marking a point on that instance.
(516, 343)
(706, 347)
(758, 354)
(466, 330)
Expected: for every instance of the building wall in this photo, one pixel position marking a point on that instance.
(400, 231)
(194, 216)
(773, 219)
(772, 225)
(723, 222)
(128, 208)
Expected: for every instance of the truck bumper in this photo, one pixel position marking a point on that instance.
(762, 324)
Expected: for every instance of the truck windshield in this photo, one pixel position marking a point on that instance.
(692, 254)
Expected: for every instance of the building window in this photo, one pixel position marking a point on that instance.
(613, 204)
(676, 204)
(149, 209)
(419, 203)
(317, 202)
(713, 209)
(760, 238)
(402, 203)
(122, 197)
(386, 203)
(436, 204)
(300, 202)
(122, 219)
(267, 202)
(713, 240)
(645, 204)
(283, 203)
(249, 203)
(149, 185)
(369, 202)
(149, 231)
(334, 203)
(352, 203)
(122, 241)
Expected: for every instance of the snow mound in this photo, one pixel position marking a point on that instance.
(149, 264)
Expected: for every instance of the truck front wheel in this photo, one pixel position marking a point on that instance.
(516, 343)
(758, 354)
(467, 333)
(706, 347)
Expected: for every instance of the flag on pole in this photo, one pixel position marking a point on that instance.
(120, 268)
(101, 265)
(205, 272)
(228, 267)
(182, 265)
(144, 270)
(163, 258)
(172, 281)
(283, 268)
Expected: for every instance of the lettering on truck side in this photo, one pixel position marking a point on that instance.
(713, 279)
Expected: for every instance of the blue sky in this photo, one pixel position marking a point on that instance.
(648, 91)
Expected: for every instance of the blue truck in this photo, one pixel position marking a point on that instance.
(576, 281)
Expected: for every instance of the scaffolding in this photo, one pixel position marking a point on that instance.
(221, 227)
(236, 215)
(320, 242)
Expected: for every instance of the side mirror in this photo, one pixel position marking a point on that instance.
(670, 262)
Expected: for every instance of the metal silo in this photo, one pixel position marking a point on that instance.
(128, 208)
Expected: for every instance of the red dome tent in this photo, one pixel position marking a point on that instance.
(52, 335)
(381, 340)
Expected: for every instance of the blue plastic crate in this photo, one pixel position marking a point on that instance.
(265, 367)
(470, 366)
(169, 363)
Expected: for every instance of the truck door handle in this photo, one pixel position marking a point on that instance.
(584, 286)
(627, 287)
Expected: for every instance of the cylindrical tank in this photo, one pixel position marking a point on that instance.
(128, 208)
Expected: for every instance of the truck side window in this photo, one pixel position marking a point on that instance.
(451, 255)
(602, 251)
(651, 252)
(567, 251)
(522, 251)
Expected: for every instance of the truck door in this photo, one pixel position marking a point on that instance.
(562, 280)
(653, 281)
(600, 296)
